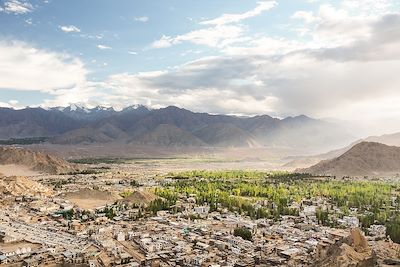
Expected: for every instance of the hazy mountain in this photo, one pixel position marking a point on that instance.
(226, 135)
(34, 122)
(365, 158)
(388, 139)
(168, 135)
(307, 161)
(171, 126)
(101, 134)
(304, 132)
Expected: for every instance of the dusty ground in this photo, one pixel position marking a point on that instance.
(268, 156)
(17, 170)
(16, 245)
(91, 199)
(174, 165)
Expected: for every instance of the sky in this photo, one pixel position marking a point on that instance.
(337, 60)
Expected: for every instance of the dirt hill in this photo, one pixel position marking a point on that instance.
(365, 158)
(18, 186)
(307, 161)
(140, 198)
(37, 161)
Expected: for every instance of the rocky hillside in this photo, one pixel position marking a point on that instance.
(354, 250)
(19, 186)
(351, 251)
(307, 161)
(34, 160)
(365, 158)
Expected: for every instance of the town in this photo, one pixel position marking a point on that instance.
(189, 219)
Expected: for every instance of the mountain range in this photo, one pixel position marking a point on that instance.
(170, 126)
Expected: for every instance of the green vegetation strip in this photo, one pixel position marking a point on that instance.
(285, 193)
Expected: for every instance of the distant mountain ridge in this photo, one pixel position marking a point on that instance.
(81, 112)
(365, 158)
(170, 126)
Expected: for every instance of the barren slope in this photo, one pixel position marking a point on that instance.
(140, 198)
(18, 186)
(34, 160)
(365, 158)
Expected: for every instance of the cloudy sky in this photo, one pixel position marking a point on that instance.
(327, 59)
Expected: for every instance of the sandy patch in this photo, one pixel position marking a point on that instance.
(91, 199)
(17, 170)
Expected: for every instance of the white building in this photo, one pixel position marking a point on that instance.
(202, 209)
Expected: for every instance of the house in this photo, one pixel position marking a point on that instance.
(202, 209)
(377, 231)
(6, 237)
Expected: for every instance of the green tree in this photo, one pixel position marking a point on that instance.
(243, 233)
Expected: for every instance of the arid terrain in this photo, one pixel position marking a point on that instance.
(133, 202)
(365, 158)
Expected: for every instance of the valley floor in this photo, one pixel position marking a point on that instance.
(197, 212)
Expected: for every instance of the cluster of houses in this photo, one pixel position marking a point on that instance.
(32, 234)
(36, 231)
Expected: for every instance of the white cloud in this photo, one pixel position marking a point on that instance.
(103, 47)
(266, 46)
(23, 67)
(13, 102)
(220, 32)
(142, 19)
(17, 7)
(163, 42)
(86, 93)
(337, 74)
(306, 16)
(69, 28)
(234, 18)
(132, 53)
(368, 7)
(5, 105)
(218, 36)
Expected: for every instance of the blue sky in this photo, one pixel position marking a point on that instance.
(132, 26)
(321, 58)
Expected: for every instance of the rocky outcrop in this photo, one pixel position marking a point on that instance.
(22, 186)
(352, 251)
